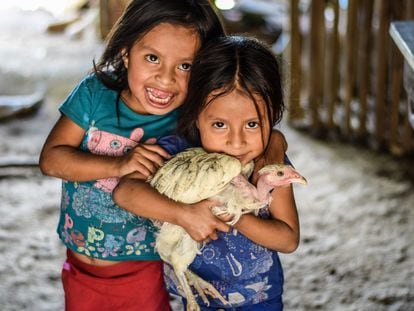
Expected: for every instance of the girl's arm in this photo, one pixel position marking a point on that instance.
(275, 152)
(281, 231)
(62, 158)
(139, 198)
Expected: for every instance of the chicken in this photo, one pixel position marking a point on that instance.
(194, 175)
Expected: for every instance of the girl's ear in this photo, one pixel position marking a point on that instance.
(197, 124)
(125, 59)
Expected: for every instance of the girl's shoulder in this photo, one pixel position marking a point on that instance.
(92, 82)
(94, 89)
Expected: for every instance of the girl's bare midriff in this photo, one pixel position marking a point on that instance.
(94, 261)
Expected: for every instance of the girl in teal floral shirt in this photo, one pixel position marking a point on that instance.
(107, 130)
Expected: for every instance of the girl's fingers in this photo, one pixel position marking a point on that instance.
(144, 159)
(157, 149)
(150, 153)
(151, 141)
(145, 165)
(136, 175)
(154, 152)
(144, 170)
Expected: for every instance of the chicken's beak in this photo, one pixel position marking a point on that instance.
(302, 180)
(298, 178)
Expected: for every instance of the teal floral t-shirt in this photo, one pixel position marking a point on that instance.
(90, 222)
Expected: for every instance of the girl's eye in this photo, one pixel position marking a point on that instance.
(152, 58)
(252, 124)
(219, 125)
(185, 67)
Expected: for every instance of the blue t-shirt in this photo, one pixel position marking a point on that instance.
(90, 222)
(244, 272)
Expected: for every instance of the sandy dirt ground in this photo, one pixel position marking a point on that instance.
(357, 213)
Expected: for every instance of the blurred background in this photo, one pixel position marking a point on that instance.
(348, 81)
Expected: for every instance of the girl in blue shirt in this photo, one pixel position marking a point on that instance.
(233, 102)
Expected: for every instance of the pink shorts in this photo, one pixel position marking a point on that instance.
(126, 286)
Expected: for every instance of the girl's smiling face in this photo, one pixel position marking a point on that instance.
(158, 68)
(230, 124)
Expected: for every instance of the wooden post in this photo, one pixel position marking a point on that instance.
(381, 82)
(397, 64)
(408, 132)
(109, 12)
(396, 78)
(316, 61)
(364, 65)
(333, 73)
(296, 111)
(409, 9)
(350, 46)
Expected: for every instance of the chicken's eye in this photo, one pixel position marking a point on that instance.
(280, 173)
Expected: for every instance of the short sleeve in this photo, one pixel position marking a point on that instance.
(77, 106)
(173, 144)
(287, 160)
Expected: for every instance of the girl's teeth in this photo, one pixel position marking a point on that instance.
(159, 96)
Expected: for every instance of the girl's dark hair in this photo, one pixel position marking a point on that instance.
(139, 18)
(226, 64)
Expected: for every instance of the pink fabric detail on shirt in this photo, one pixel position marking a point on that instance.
(66, 266)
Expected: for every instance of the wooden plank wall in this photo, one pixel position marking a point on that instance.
(346, 73)
(109, 12)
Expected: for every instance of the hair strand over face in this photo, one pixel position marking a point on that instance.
(226, 64)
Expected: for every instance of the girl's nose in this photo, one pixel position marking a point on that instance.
(236, 139)
(166, 75)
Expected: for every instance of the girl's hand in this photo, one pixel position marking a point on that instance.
(199, 221)
(143, 160)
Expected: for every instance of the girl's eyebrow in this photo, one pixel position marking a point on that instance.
(219, 118)
(150, 48)
(213, 117)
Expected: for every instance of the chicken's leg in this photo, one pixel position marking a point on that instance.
(189, 296)
(203, 287)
